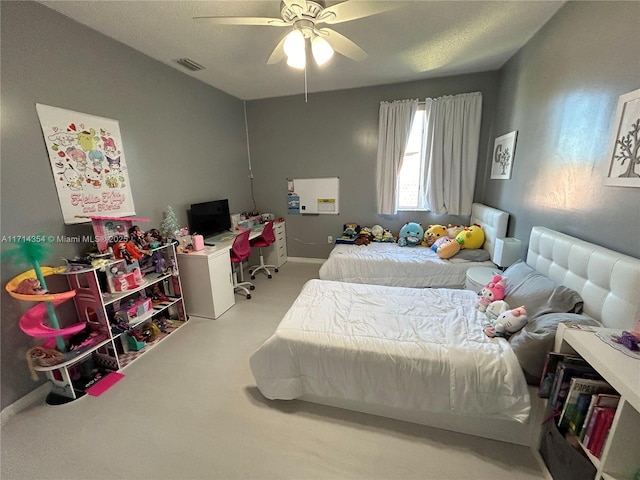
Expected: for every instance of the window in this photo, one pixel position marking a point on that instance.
(412, 174)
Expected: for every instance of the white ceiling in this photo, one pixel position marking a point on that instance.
(419, 39)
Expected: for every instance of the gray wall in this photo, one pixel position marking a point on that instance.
(560, 92)
(184, 141)
(335, 134)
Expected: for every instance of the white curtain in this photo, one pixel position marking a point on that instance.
(393, 133)
(451, 153)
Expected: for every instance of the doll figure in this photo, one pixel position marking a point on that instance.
(159, 262)
(128, 251)
(136, 236)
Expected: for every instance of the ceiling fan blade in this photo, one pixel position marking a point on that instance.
(278, 53)
(352, 10)
(265, 21)
(343, 45)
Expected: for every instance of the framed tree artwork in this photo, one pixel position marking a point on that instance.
(504, 150)
(623, 161)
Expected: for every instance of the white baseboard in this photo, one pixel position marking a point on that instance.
(38, 395)
(306, 260)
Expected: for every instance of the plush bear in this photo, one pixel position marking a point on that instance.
(492, 291)
(446, 247)
(471, 237)
(433, 233)
(507, 323)
(364, 237)
(410, 235)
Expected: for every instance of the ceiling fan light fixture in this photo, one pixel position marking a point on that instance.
(294, 44)
(321, 50)
(297, 60)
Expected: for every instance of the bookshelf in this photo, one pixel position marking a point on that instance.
(620, 458)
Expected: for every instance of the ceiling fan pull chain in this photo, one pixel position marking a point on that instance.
(305, 84)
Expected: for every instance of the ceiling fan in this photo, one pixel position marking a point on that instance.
(304, 18)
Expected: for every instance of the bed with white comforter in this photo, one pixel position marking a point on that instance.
(419, 267)
(415, 349)
(396, 266)
(419, 355)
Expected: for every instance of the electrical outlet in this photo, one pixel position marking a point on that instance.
(329, 239)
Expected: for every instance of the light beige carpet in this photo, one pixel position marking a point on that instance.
(189, 409)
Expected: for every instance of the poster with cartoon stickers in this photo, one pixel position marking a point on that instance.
(88, 164)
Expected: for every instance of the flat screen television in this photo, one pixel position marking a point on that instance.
(210, 218)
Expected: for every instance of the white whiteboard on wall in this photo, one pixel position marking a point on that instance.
(318, 195)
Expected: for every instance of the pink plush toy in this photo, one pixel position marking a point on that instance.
(507, 323)
(492, 291)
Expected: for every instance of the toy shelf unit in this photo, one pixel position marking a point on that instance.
(128, 314)
(618, 452)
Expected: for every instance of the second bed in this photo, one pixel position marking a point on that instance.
(395, 266)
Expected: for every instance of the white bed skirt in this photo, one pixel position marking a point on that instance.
(527, 434)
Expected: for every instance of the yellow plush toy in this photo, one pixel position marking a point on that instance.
(471, 237)
(433, 233)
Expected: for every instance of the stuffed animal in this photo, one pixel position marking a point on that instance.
(377, 231)
(471, 237)
(492, 291)
(507, 323)
(387, 236)
(454, 230)
(30, 286)
(410, 235)
(433, 233)
(446, 247)
(350, 231)
(494, 309)
(364, 237)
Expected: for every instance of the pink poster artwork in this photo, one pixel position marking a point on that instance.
(88, 164)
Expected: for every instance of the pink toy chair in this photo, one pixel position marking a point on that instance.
(264, 240)
(240, 251)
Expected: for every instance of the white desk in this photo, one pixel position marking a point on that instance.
(224, 241)
(207, 280)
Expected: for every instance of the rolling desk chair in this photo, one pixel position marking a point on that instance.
(264, 240)
(240, 251)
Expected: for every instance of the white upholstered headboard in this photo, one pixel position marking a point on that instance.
(607, 281)
(493, 223)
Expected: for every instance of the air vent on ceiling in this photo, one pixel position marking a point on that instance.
(190, 64)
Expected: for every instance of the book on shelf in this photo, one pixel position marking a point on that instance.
(600, 430)
(576, 421)
(595, 421)
(577, 401)
(549, 371)
(597, 400)
(565, 371)
(552, 367)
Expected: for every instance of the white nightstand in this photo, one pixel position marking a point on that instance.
(478, 277)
